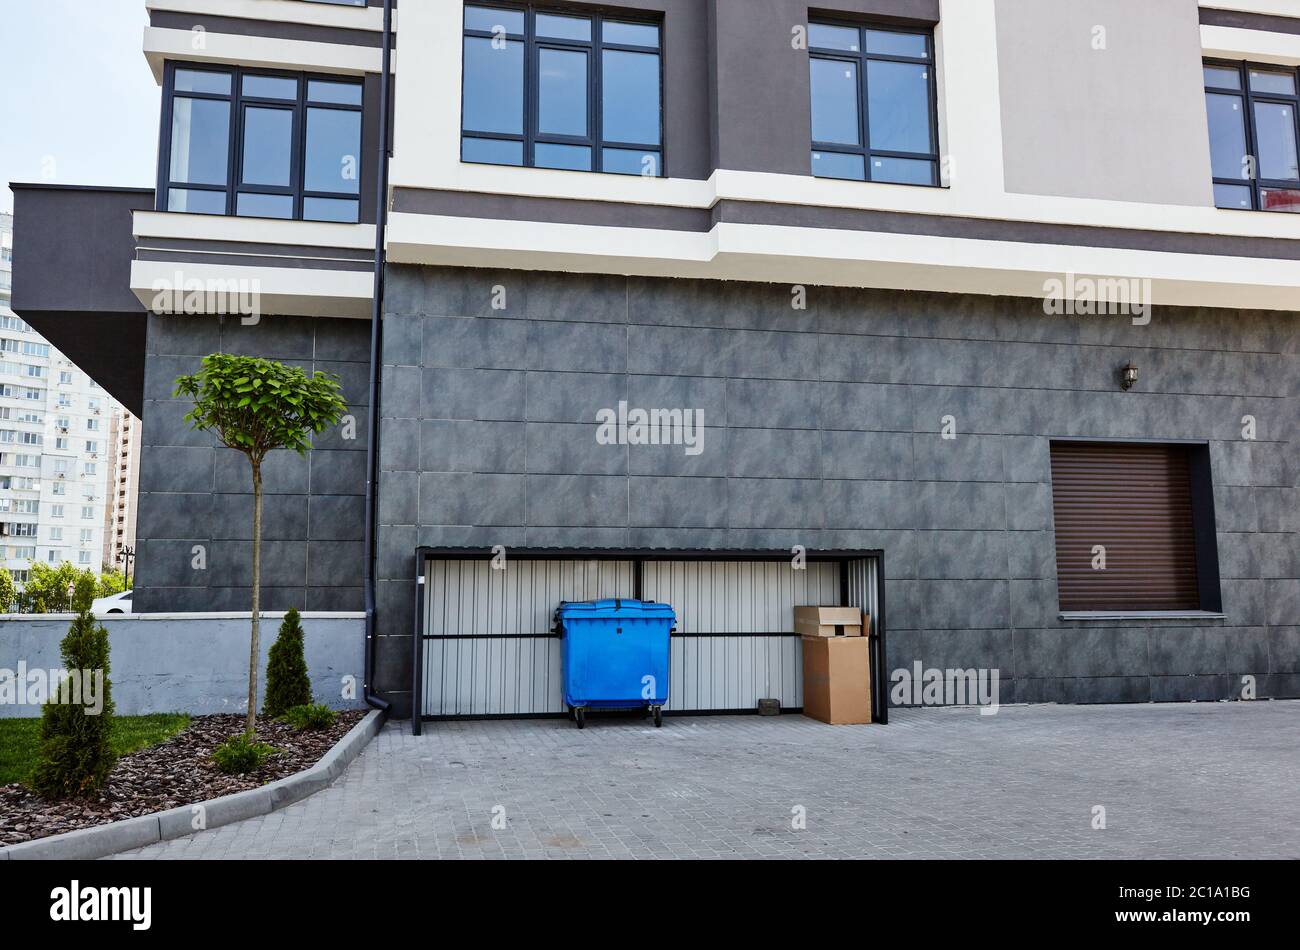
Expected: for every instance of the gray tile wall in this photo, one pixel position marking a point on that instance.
(194, 492)
(823, 430)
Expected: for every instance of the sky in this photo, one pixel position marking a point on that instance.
(78, 104)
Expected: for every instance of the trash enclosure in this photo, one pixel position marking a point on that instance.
(488, 647)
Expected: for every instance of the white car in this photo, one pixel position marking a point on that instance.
(112, 604)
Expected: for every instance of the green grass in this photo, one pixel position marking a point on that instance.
(20, 739)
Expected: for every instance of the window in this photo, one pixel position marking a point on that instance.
(92, 425)
(60, 444)
(56, 511)
(65, 379)
(87, 535)
(59, 488)
(89, 469)
(1134, 527)
(87, 512)
(56, 534)
(560, 90)
(83, 557)
(260, 144)
(873, 104)
(92, 447)
(1254, 135)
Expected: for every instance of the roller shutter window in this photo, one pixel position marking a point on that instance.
(1134, 502)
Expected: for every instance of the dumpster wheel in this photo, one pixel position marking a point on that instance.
(580, 717)
(659, 716)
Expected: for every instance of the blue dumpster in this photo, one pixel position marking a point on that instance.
(615, 655)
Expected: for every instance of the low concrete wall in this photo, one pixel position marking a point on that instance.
(193, 663)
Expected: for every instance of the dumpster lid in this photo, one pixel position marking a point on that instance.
(616, 607)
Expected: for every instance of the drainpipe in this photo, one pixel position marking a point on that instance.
(376, 316)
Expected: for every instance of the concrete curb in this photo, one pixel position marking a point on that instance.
(102, 840)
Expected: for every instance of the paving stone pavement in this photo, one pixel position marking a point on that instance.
(1206, 780)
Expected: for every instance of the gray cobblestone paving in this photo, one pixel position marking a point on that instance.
(1176, 781)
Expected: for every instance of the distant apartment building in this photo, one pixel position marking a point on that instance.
(123, 482)
(57, 450)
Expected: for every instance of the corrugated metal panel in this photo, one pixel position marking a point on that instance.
(864, 588)
(491, 654)
(470, 598)
(492, 676)
(734, 672)
(1136, 502)
(739, 596)
(714, 665)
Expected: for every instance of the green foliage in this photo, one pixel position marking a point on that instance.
(8, 592)
(315, 716)
(76, 751)
(240, 754)
(46, 590)
(113, 582)
(287, 682)
(256, 405)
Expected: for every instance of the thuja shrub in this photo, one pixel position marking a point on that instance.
(76, 752)
(287, 682)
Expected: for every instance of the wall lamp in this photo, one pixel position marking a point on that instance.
(1128, 377)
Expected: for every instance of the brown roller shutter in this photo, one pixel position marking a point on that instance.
(1136, 501)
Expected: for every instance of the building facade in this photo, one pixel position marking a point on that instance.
(980, 315)
(56, 447)
(123, 487)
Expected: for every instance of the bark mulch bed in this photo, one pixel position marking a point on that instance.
(174, 773)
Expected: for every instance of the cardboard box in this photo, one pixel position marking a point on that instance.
(837, 679)
(828, 621)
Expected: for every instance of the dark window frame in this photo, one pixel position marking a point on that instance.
(239, 102)
(860, 60)
(595, 48)
(1248, 98)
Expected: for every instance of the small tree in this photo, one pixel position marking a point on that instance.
(8, 592)
(110, 582)
(256, 406)
(287, 682)
(76, 752)
(46, 590)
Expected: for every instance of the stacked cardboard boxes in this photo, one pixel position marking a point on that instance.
(836, 663)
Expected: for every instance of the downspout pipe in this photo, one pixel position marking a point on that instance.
(376, 322)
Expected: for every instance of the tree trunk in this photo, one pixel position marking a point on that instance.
(253, 650)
